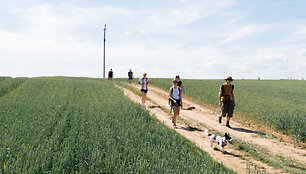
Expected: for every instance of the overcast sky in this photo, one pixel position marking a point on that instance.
(193, 38)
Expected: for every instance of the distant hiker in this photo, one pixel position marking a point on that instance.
(175, 100)
(227, 100)
(110, 75)
(144, 82)
(180, 83)
(131, 76)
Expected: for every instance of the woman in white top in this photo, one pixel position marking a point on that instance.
(144, 82)
(176, 100)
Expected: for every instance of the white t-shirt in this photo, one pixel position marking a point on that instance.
(176, 93)
(144, 83)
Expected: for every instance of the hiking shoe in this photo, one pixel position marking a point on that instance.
(220, 118)
(227, 125)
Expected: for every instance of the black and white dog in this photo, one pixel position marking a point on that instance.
(222, 141)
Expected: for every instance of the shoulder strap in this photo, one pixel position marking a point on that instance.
(171, 89)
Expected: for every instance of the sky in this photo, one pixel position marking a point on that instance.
(196, 39)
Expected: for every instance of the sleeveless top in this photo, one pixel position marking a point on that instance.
(176, 93)
(144, 83)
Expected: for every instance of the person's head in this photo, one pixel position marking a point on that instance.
(175, 82)
(144, 75)
(111, 69)
(229, 79)
(130, 70)
(177, 77)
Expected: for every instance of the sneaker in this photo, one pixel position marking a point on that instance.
(174, 125)
(220, 118)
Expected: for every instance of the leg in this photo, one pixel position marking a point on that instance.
(223, 113)
(175, 114)
(144, 96)
(211, 142)
(221, 149)
(230, 114)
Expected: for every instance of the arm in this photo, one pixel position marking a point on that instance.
(181, 99)
(233, 97)
(183, 88)
(220, 94)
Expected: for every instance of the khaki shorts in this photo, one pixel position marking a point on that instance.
(227, 108)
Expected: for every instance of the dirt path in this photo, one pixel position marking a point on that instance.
(206, 117)
(232, 158)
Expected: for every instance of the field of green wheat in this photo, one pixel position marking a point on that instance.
(83, 125)
(280, 104)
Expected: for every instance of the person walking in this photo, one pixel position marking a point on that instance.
(227, 100)
(110, 75)
(131, 76)
(144, 82)
(179, 83)
(175, 100)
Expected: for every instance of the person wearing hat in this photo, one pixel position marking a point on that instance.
(175, 100)
(144, 82)
(227, 100)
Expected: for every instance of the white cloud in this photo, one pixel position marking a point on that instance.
(54, 42)
(243, 32)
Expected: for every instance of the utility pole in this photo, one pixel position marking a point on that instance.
(104, 53)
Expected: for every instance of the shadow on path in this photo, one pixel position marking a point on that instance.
(227, 153)
(247, 131)
(189, 108)
(153, 106)
(190, 128)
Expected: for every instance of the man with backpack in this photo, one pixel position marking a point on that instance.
(227, 100)
(144, 82)
(110, 75)
(131, 76)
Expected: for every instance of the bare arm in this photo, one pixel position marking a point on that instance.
(220, 94)
(183, 88)
(233, 98)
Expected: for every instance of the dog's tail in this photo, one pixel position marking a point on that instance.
(206, 132)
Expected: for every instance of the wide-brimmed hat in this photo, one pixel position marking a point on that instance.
(229, 78)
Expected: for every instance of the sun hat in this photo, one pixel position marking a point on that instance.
(229, 78)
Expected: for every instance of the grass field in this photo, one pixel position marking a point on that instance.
(279, 104)
(82, 125)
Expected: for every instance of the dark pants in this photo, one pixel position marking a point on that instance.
(227, 108)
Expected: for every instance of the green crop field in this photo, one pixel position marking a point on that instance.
(83, 125)
(280, 104)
